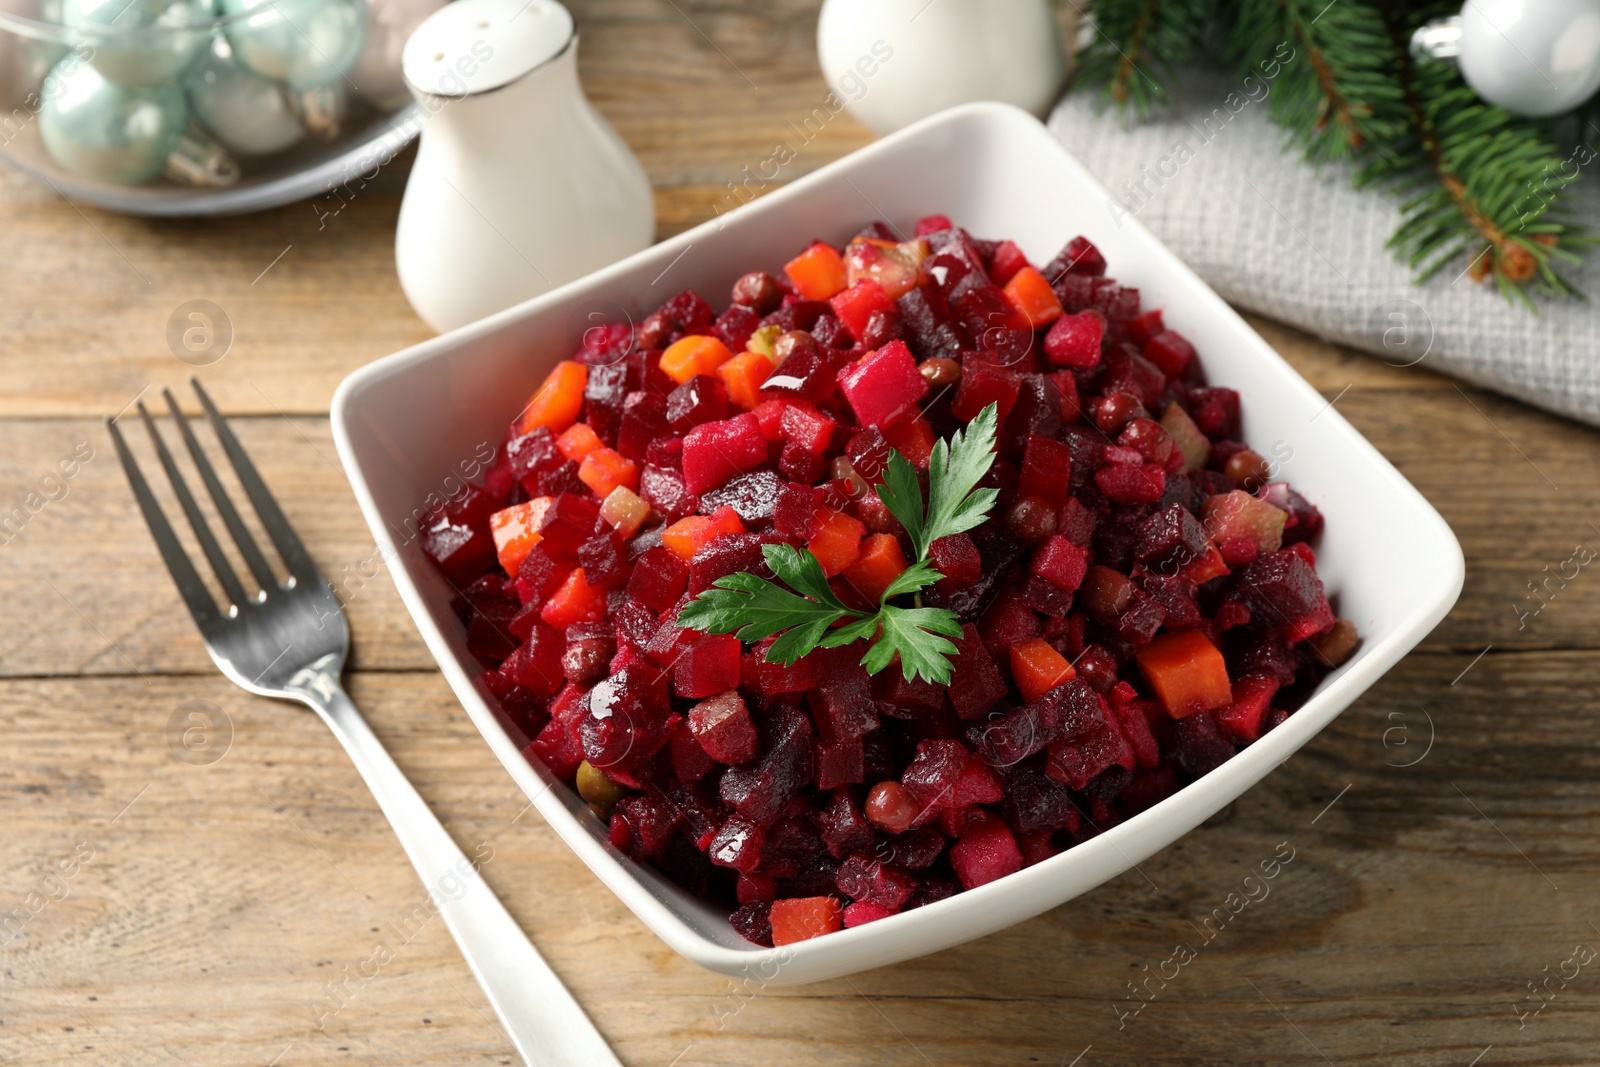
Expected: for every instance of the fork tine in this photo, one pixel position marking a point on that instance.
(219, 496)
(190, 586)
(197, 521)
(294, 554)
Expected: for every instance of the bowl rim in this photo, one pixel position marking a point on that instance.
(810, 958)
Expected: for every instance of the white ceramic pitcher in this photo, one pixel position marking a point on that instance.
(519, 184)
(893, 62)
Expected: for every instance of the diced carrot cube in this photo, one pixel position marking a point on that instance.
(1209, 566)
(802, 918)
(742, 377)
(605, 469)
(817, 273)
(1039, 668)
(624, 510)
(879, 564)
(558, 401)
(912, 437)
(574, 601)
(692, 355)
(835, 540)
(1187, 673)
(516, 531)
(577, 441)
(689, 534)
(1032, 297)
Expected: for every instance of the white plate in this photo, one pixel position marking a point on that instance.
(404, 425)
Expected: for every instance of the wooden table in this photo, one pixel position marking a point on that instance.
(1444, 829)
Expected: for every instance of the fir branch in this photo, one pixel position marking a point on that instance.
(1486, 183)
(1332, 84)
(1135, 44)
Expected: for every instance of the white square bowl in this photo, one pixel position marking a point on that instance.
(405, 424)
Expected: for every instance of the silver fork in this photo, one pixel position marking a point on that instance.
(289, 641)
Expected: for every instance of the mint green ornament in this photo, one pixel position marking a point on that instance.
(306, 43)
(142, 43)
(98, 129)
(246, 112)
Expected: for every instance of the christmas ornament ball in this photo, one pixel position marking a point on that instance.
(142, 43)
(306, 43)
(1531, 57)
(98, 129)
(246, 112)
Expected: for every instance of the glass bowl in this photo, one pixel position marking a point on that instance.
(204, 107)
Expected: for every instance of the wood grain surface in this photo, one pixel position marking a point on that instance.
(172, 897)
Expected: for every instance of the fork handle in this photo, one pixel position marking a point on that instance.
(544, 1022)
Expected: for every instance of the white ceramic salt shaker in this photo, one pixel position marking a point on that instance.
(893, 62)
(519, 184)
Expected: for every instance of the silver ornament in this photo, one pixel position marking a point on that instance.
(142, 43)
(377, 74)
(98, 129)
(1531, 58)
(247, 113)
(307, 43)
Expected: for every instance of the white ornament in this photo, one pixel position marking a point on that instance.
(892, 62)
(246, 112)
(98, 129)
(519, 184)
(143, 43)
(307, 43)
(1531, 57)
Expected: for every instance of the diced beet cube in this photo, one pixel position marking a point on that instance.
(1009, 621)
(658, 579)
(860, 913)
(841, 704)
(724, 728)
(628, 720)
(1170, 540)
(603, 395)
(537, 664)
(717, 451)
(603, 561)
(843, 827)
(932, 224)
(883, 385)
(567, 523)
(1060, 562)
(1036, 413)
(761, 789)
(956, 557)
(1215, 410)
(753, 922)
(489, 635)
(775, 679)
(531, 454)
(981, 309)
(975, 683)
(699, 400)
(799, 464)
(734, 326)
(690, 761)
(737, 844)
(1171, 352)
(863, 877)
(1075, 340)
(841, 763)
(803, 375)
(1283, 587)
(795, 511)
(461, 552)
(857, 303)
(925, 316)
(1045, 598)
(1006, 261)
(1117, 301)
(808, 426)
(1046, 470)
(933, 775)
(557, 745)
(983, 384)
(663, 489)
(985, 852)
(1132, 483)
(1196, 747)
(644, 418)
(1079, 256)
(797, 314)
(707, 667)
(752, 496)
(1034, 802)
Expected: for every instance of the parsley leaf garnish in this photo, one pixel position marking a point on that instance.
(808, 615)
